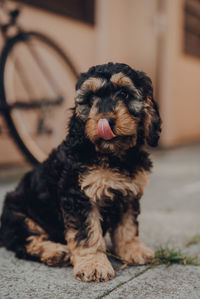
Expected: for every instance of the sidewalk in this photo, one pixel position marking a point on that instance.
(170, 217)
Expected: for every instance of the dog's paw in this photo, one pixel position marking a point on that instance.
(136, 253)
(93, 268)
(58, 256)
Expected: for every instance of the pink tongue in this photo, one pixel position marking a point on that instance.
(103, 129)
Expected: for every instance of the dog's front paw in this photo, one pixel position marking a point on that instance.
(56, 255)
(93, 268)
(136, 253)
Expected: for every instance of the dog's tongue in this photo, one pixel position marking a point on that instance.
(104, 130)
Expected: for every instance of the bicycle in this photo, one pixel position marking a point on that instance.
(36, 80)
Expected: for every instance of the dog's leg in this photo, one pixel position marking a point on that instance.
(27, 238)
(87, 246)
(38, 244)
(126, 243)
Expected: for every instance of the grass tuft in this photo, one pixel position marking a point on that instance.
(172, 256)
(193, 241)
(163, 256)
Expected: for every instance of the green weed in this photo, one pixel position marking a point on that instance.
(172, 256)
(167, 256)
(193, 241)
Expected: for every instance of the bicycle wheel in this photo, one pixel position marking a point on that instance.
(37, 81)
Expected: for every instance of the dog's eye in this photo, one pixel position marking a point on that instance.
(123, 94)
(90, 97)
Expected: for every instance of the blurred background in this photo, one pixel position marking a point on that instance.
(159, 37)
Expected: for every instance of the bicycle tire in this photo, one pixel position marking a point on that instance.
(10, 44)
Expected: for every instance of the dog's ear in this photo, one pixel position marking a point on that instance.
(152, 120)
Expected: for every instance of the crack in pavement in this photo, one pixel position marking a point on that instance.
(123, 283)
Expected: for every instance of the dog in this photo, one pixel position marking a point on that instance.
(92, 182)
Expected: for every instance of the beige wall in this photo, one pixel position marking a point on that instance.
(75, 37)
(180, 84)
(126, 33)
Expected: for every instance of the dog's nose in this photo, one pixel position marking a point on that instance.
(111, 122)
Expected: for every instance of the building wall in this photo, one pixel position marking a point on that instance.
(180, 84)
(126, 32)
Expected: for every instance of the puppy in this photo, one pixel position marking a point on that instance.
(92, 183)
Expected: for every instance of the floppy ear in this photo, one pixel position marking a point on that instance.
(152, 121)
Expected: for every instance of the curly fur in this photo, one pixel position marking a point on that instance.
(88, 185)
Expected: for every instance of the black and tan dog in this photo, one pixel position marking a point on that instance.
(92, 183)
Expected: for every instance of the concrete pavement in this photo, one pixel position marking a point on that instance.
(170, 217)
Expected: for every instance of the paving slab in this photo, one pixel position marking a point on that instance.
(21, 279)
(174, 282)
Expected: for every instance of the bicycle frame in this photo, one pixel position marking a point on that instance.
(33, 104)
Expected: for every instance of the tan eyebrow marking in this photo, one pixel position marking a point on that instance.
(121, 80)
(93, 84)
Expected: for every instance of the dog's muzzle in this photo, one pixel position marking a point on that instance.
(104, 130)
